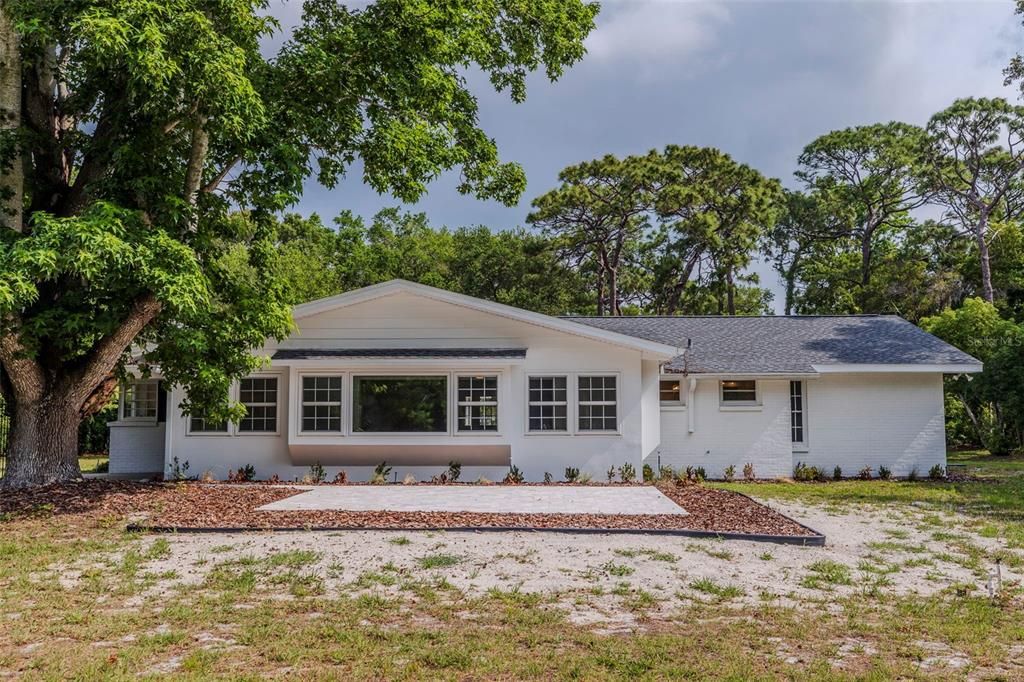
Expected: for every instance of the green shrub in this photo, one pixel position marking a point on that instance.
(648, 473)
(700, 474)
(748, 472)
(937, 472)
(884, 473)
(571, 474)
(666, 473)
(548, 477)
(913, 475)
(627, 473)
(317, 474)
(803, 472)
(611, 474)
(514, 475)
(244, 474)
(730, 473)
(864, 474)
(179, 469)
(837, 474)
(454, 471)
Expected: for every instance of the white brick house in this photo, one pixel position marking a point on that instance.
(416, 377)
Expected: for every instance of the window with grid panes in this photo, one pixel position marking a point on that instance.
(259, 396)
(548, 403)
(321, 404)
(597, 403)
(477, 403)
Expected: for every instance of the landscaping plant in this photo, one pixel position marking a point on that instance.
(341, 478)
(837, 474)
(317, 475)
(748, 472)
(571, 474)
(627, 473)
(864, 474)
(884, 473)
(514, 475)
(454, 471)
(729, 473)
(936, 473)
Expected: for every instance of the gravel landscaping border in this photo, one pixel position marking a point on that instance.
(187, 507)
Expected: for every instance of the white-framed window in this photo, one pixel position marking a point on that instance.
(259, 396)
(321, 404)
(597, 403)
(739, 392)
(548, 403)
(670, 392)
(200, 424)
(477, 403)
(140, 400)
(798, 412)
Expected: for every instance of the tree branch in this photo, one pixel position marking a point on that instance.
(25, 374)
(194, 171)
(101, 361)
(213, 184)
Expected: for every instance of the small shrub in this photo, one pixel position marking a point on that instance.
(571, 474)
(690, 473)
(837, 474)
(483, 480)
(514, 475)
(409, 479)
(454, 471)
(274, 480)
(548, 477)
(208, 476)
(382, 471)
(648, 473)
(864, 474)
(439, 560)
(730, 473)
(802, 472)
(748, 472)
(103, 467)
(317, 474)
(585, 477)
(913, 475)
(884, 473)
(700, 474)
(936, 473)
(243, 475)
(666, 473)
(627, 473)
(611, 474)
(341, 478)
(179, 470)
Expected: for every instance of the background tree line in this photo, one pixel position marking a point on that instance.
(889, 218)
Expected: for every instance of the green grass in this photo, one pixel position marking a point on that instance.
(89, 463)
(723, 592)
(826, 573)
(439, 561)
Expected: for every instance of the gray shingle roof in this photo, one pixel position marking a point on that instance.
(311, 353)
(787, 344)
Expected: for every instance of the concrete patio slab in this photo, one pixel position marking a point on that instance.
(483, 499)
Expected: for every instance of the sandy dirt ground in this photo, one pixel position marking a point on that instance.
(901, 551)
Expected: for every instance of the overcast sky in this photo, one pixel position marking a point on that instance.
(757, 79)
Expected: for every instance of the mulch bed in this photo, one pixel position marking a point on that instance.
(199, 506)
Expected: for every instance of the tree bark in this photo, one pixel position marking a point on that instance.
(12, 174)
(43, 447)
(980, 234)
(730, 292)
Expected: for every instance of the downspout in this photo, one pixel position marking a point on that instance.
(691, 388)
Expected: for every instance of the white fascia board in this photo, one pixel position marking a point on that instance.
(342, 364)
(651, 350)
(898, 368)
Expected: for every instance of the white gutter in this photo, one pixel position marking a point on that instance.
(690, 406)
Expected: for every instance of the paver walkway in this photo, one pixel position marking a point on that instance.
(483, 499)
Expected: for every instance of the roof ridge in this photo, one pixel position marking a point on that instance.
(724, 317)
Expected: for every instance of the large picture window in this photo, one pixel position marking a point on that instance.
(739, 392)
(141, 400)
(400, 404)
(548, 404)
(478, 403)
(598, 404)
(321, 404)
(259, 396)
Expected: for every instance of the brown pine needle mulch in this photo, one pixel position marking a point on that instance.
(202, 506)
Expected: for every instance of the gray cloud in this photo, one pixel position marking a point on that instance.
(756, 79)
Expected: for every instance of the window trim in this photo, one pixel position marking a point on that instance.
(802, 445)
(454, 402)
(236, 429)
(742, 404)
(300, 403)
(351, 411)
(617, 403)
(122, 402)
(569, 411)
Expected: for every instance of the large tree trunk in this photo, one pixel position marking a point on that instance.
(730, 292)
(980, 234)
(43, 447)
(12, 173)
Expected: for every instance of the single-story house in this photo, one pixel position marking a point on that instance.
(418, 377)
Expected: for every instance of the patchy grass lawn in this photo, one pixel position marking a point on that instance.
(90, 463)
(80, 598)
